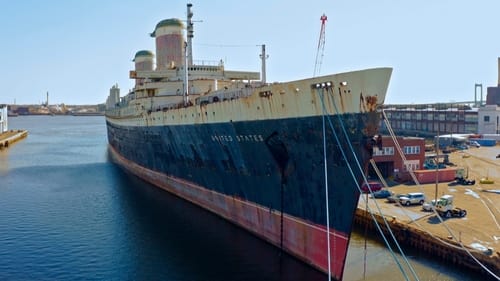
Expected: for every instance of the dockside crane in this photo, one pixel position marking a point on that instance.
(321, 46)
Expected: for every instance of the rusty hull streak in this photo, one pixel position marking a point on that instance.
(362, 107)
(371, 128)
(342, 106)
(369, 105)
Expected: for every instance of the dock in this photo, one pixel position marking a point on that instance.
(458, 241)
(12, 136)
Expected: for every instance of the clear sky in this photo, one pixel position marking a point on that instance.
(77, 49)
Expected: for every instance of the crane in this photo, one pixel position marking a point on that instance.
(321, 46)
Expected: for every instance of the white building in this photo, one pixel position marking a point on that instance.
(113, 98)
(3, 118)
(488, 119)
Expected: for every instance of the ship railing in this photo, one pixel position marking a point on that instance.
(218, 96)
(169, 106)
(219, 63)
(223, 95)
(115, 112)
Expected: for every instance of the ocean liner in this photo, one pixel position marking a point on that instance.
(281, 160)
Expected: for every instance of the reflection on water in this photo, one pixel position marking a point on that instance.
(4, 163)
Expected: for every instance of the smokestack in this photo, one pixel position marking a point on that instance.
(169, 44)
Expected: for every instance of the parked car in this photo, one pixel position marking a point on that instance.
(383, 193)
(474, 143)
(464, 181)
(412, 198)
(395, 197)
(374, 186)
(427, 206)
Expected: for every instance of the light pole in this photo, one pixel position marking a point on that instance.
(437, 157)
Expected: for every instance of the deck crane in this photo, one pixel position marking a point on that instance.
(321, 46)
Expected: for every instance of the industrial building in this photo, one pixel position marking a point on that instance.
(432, 119)
(477, 117)
(489, 119)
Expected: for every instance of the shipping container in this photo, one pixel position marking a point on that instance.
(429, 176)
(485, 142)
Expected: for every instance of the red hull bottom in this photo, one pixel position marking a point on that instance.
(306, 241)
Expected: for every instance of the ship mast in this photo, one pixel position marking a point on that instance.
(186, 79)
(190, 34)
(263, 58)
(188, 51)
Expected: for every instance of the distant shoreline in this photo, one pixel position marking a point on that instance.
(88, 114)
(60, 114)
(76, 110)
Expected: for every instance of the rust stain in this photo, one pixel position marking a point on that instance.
(361, 103)
(371, 103)
(342, 106)
(368, 104)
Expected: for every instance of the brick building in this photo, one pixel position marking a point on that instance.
(390, 162)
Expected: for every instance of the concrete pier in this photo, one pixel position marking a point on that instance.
(444, 248)
(452, 240)
(12, 136)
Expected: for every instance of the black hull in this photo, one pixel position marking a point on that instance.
(255, 160)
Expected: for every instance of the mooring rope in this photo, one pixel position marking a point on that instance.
(326, 201)
(366, 181)
(412, 174)
(359, 189)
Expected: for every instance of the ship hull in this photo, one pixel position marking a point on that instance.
(259, 161)
(301, 238)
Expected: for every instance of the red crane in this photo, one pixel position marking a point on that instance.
(321, 46)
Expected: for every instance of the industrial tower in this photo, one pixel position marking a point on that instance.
(321, 46)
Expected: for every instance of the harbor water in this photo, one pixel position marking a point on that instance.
(68, 213)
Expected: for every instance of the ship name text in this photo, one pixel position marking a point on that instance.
(238, 138)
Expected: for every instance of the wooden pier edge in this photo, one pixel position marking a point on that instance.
(450, 252)
(12, 136)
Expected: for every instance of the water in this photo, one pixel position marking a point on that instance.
(67, 213)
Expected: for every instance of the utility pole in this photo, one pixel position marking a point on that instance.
(437, 160)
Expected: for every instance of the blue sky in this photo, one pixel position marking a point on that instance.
(76, 50)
